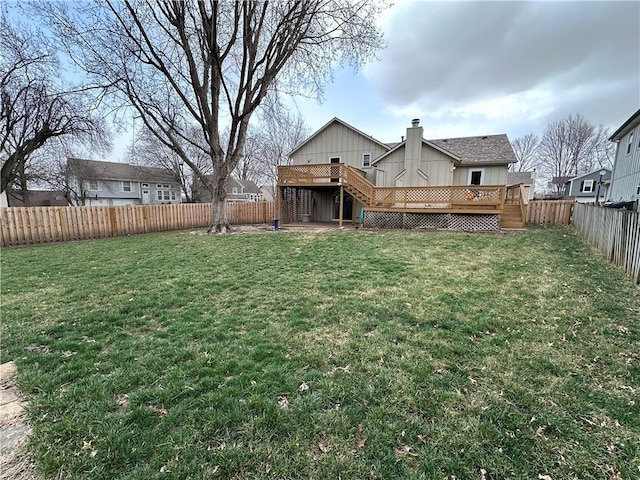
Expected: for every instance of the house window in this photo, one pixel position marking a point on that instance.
(630, 142)
(92, 185)
(234, 190)
(145, 185)
(476, 177)
(164, 193)
(366, 160)
(126, 186)
(586, 186)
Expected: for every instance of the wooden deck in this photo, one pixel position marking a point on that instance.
(480, 199)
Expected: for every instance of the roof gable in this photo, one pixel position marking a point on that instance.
(594, 172)
(343, 123)
(424, 142)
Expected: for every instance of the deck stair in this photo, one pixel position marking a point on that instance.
(515, 208)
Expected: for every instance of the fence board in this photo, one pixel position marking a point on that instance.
(34, 225)
(615, 233)
(550, 211)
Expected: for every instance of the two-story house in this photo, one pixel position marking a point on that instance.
(340, 173)
(625, 180)
(591, 187)
(98, 183)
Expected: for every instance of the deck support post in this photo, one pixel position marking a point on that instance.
(341, 206)
(278, 212)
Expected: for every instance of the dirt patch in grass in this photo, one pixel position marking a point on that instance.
(15, 461)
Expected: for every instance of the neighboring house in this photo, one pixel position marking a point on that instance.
(528, 179)
(625, 180)
(37, 198)
(591, 187)
(98, 183)
(268, 194)
(237, 191)
(413, 162)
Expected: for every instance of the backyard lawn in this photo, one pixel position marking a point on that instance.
(330, 355)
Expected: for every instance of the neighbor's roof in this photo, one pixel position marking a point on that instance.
(341, 122)
(247, 186)
(486, 149)
(514, 178)
(96, 169)
(606, 170)
(631, 122)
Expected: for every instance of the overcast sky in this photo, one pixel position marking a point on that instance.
(478, 68)
(475, 68)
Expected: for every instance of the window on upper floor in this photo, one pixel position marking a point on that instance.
(366, 160)
(126, 186)
(92, 185)
(234, 190)
(630, 142)
(586, 186)
(475, 177)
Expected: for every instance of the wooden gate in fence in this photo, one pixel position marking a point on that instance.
(550, 211)
(33, 225)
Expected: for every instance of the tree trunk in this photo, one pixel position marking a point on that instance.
(219, 222)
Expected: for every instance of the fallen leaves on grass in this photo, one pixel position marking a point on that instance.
(158, 410)
(324, 447)
(405, 450)
(360, 442)
(283, 403)
(303, 388)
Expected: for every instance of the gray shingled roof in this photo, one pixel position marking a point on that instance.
(486, 149)
(96, 169)
(514, 178)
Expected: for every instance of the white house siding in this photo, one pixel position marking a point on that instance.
(339, 141)
(437, 166)
(493, 174)
(390, 166)
(626, 172)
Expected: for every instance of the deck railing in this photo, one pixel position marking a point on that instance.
(467, 198)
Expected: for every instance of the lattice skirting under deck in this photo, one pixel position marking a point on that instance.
(451, 221)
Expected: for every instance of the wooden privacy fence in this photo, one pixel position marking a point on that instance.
(550, 211)
(33, 225)
(615, 233)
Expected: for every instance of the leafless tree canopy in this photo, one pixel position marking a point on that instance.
(526, 151)
(269, 144)
(572, 146)
(34, 109)
(211, 64)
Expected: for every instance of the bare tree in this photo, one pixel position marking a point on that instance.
(147, 150)
(526, 151)
(210, 64)
(572, 146)
(269, 144)
(34, 109)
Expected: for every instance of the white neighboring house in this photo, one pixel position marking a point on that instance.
(625, 181)
(591, 187)
(98, 183)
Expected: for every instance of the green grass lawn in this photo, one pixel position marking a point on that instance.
(331, 355)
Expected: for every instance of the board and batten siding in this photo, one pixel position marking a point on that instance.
(625, 182)
(493, 174)
(436, 165)
(338, 141)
